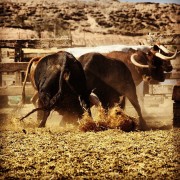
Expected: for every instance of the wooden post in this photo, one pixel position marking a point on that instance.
(18, 57)
(3, 99)
(0, 72)
(176, 106)
(18, 78)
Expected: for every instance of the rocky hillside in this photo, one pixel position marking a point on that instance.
(93, 16)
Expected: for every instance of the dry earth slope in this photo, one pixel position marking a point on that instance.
(91, 17)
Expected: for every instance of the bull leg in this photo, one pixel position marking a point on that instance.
(40, 114)
(43, 122)
(122, 102)
(131, 95)
(85, 103)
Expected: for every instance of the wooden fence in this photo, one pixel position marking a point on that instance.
(12, 59)
(16, 66)
(16, 88)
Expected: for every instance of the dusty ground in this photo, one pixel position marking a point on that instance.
(58, 152)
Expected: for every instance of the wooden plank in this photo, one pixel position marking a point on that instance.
(173, 75)
(36, 43)
(160, 89)
(18, 78)
(12, 67)
(29, 53)
(16, 90)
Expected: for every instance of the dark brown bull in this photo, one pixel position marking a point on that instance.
(61, 84)
(148, 65)
(109, 79)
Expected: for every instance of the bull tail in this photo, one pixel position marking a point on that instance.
(28, 114)
(23, 95)
(64, 75)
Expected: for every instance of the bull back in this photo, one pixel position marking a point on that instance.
(137, 72)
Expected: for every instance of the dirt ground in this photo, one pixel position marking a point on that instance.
(55, 152)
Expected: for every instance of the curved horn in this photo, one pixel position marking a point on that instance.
(163, 48)
(167, 58)
(94, 99)
(136, 63)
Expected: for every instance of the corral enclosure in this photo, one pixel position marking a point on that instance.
(57, 153)
(66, 152)
(157, 97)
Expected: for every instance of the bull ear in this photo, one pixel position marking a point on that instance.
(167, 58)
(136, 63)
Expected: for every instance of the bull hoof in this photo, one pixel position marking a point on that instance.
(144, 127)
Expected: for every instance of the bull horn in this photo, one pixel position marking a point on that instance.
(136, 63)
(163, 48)
(167, 58)
(94, 99)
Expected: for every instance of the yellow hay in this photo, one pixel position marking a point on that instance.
(115, 118)
(87, 123)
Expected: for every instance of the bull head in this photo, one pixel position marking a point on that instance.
(157, 54)
(154, 62)
(165, 55)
